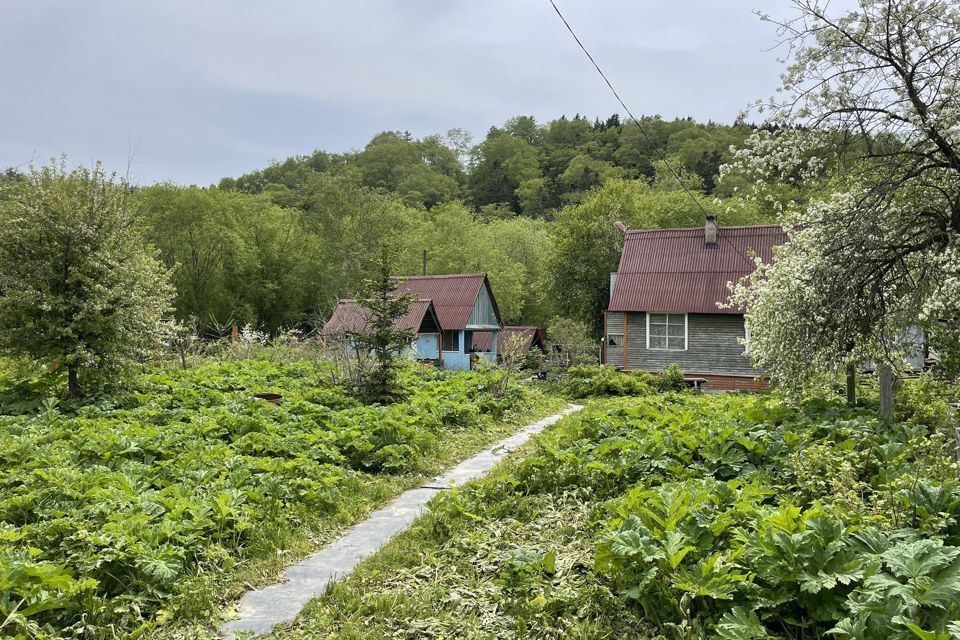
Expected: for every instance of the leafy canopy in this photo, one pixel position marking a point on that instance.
(78, 284)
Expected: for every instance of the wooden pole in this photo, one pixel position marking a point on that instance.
(886, 392)
(234, 334)
(424, 262)
(851, 384)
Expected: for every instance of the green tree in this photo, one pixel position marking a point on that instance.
(501, 164)
(382, 338)
(78, 283)
(196, 232)
(876, 250)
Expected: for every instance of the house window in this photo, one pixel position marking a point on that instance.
(746, 338)
(614, 339)
(451, 341)
(667, 331)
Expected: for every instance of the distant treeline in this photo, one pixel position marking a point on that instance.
(532, 205)
(519, 168)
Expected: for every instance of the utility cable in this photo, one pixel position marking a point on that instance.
(653, 146)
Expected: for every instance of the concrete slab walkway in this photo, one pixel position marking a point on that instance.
(260, 610)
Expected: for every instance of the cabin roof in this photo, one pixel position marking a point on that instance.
(454, 296)
(349, 316)
(535, 336)
(675, 270)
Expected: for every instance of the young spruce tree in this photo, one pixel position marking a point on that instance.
(382, 339)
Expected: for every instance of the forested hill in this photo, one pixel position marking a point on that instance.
(532, 205)
(520, 168)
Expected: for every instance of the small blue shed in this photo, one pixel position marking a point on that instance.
(464, 303)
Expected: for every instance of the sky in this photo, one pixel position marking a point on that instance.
(195, 90)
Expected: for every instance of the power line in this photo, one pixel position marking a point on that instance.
(655, 148)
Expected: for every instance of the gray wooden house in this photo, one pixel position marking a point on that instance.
(664, 302)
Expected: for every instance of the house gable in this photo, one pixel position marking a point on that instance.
(457, 297)
(484, 314)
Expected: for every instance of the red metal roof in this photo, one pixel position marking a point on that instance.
(349, 316)
(482, 340)
(454, 296)
(673, 269)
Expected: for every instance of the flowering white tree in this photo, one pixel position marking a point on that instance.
(78, 285)
(868, 121)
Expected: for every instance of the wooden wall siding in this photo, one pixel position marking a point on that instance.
(615, 324)
(735, 383)
(712, 346)
(483, 316)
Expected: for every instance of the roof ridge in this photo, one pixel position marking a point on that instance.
(354, 300)
(706, 271)
(445, 275)
(750, 226)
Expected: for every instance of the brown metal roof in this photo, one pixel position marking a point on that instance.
(673, 269)
(454, 296)
(349, 316)
(536, 337)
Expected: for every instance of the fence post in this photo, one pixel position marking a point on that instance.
(886, 392)
(851, 384)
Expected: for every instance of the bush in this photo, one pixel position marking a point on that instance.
(588, 382)
(671, 379)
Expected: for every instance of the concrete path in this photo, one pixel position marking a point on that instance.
(262, 609)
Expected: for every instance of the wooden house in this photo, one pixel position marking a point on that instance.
(664, 302)
(464, 304)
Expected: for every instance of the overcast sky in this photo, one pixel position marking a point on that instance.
(209, 88)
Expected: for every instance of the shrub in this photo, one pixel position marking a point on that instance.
(671, 379)
(586, 382)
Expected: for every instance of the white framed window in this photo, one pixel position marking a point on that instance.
(667, 331)
(614, 339)
(746, 337)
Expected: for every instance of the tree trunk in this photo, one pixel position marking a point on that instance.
(73, 385)
(886, 392)
(851, 384)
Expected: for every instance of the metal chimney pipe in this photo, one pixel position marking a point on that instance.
(710, 231)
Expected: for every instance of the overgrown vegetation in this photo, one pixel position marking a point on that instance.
(597, 382)
(685, 516)
(135, 511)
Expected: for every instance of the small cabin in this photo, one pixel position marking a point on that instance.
(464, 304)
(446, 313)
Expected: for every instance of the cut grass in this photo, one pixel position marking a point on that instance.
(444, 577)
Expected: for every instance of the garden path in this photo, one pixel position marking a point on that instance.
(261, 609)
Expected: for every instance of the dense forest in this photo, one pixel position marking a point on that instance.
(531, 204)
